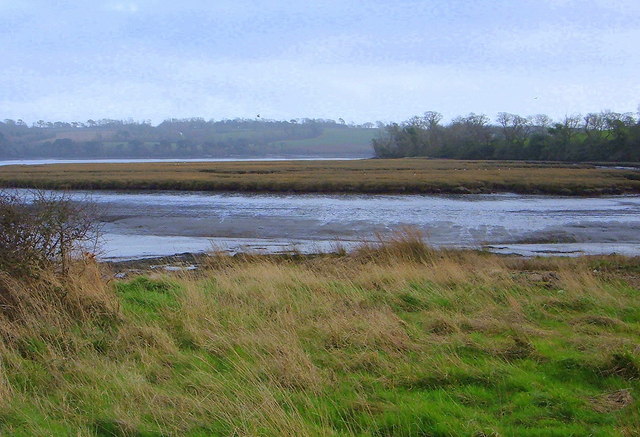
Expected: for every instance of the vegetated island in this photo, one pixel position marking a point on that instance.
(402, 176)
(398, 340)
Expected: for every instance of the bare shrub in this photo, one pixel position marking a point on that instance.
(43, 229)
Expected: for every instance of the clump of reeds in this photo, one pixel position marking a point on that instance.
(407, 244)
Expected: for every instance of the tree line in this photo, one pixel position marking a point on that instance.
(602, 136)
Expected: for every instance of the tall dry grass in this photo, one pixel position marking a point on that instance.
(47, 304)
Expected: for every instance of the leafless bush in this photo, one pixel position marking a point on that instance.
(42, 229)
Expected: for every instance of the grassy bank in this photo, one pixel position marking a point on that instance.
(366, 176)
(401, 341)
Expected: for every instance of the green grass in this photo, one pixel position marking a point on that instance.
(420, 343)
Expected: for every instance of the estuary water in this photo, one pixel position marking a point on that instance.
(148, 224)
(46, 161)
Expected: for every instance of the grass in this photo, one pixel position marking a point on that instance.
(402, 340)
(366, 176)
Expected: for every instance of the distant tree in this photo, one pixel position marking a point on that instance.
(542, 120)
(515, 130)
(604, 136)
(594, 124)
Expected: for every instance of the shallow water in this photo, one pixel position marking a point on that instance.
(46, 161)
(164, 223)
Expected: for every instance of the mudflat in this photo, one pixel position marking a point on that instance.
(186, 221)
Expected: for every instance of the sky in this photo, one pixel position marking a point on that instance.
(364, 60)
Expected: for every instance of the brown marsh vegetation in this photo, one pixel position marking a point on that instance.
(365, 176)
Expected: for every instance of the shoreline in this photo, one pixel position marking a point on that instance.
(196, 261)
(458, 190)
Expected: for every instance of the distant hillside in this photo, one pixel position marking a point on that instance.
(332, 141)
(189, 138)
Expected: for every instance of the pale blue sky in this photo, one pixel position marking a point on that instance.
(360, 60)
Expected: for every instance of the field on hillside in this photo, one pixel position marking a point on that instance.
(402, 341)
(332, 142)
(362, 176)
(186, 138)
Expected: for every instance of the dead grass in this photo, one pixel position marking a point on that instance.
(47, 305)
(613, 401)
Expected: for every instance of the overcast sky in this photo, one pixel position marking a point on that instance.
(361, 60)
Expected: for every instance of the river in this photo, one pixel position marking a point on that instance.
(147, 224)
(48, 161)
